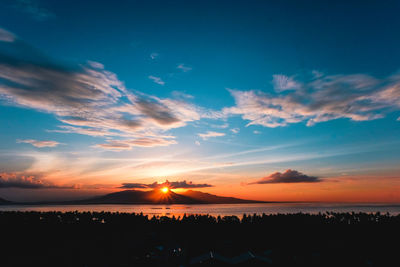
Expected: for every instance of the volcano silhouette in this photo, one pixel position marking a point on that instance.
(158, 197)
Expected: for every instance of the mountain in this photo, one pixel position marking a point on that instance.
(141, 197)
(3, 201)
(213, 199)
(158, 197)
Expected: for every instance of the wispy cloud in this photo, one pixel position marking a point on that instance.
(358, 97)
(181, 95)
(154, 55)
(119, 145)
(155, 185)
(6, 36)
(184, 68)
(220, 126)
(289, 176)
(96, 65)
(33, 8)
(38, 143)
(283, 83)
(15, 180)
(157, 80)
(256, 132)
(209, 134)
(235, 130)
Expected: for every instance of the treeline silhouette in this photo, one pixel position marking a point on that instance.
(129, 239)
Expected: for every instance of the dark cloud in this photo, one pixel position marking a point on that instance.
(13, 180)
(160, 113)
(289, 176)
(155, 185)
(185, 184)
(136, 186)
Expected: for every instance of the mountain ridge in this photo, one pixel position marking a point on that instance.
(146, 197)
(4, 201)
(158, 197)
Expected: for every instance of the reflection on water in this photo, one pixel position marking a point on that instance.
(216, 209)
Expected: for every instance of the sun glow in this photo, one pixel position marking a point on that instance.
(165, 190)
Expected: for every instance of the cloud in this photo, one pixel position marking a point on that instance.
(119, 145)
(220, 126)
(154, 55)
(15, 180)
(209, 134)
(317, 74)
(358, 97)
(256, 132)
(235, 130)
(95, 65)
(155, 185)
(32, 8)
(6, 36)
(37, 143)
(157, 80)
(289, 176)
(160, 113)
(181, 95)
(283, 83)
(88, 99)
(197, 143)
(184, 68)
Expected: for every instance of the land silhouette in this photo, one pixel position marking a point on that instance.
(97, 239)
(3, 201)
(149, 197)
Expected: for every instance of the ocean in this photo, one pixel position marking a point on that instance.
(216, 209)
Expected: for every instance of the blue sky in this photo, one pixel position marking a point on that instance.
(93, 95)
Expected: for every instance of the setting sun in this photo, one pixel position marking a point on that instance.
(165, 190)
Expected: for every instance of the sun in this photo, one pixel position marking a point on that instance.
(165, 190)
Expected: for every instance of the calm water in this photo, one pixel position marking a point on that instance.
(217, 209)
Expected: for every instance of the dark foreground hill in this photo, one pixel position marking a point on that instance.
(158, 197)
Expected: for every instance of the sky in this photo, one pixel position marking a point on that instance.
(266, 100)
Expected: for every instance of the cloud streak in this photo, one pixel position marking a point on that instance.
(155, 185)
(37, 143)
(289, 176)
(210, 134)
(157, 80)
(184, 68)
(119, 145)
